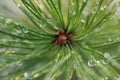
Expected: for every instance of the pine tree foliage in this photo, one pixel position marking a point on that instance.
(67, 40)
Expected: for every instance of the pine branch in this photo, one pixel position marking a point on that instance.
(77, 41)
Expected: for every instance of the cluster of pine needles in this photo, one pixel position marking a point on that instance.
(66, 40)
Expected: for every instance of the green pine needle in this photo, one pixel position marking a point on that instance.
(69, 40)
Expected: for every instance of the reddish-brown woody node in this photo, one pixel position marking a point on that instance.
(63, 38)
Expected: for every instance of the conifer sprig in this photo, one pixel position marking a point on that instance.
(69, 40)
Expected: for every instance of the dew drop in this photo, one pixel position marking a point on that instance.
(72, 4)
(109, 39)
(102, 8)
(16, 24)
(19, 64)
(7, 21)
(35, 1)
(105, 6)
(9, 51)
(27, 75)
(97, 61)
(19, 31)
(75, 65)
(18, 5)
(105, 61)
(48, 16)
(74, 13)
(91, 63)
(84, 1)
(97, 2)
(37, 75)
(25, 31)
(106, 78)
(117, 39)
(83, 21)
(72, 52)
(93, 12)
(107, 55)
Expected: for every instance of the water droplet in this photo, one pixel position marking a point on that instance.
(7, 21)
(106, 78)
(97, 61)
(72, 52)
(19, 31)
(35, 1)
(9, 51)
(97, 2)
(19, 64)
(16, 24)
(74, 13)
(25, 31)
(76, 65)
(84, 1)
(93, 12)
(37, 75)
(107, 55)
(48, 16)
(102, 8)
(105, 6)
(18, 5)
(109, 39)
(117, 39)
(91, 63)
(72, 3)
(105, 61)
(27, 75)
(83, 21)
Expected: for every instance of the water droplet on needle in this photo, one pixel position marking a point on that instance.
(91, 63)
(109, 39)
(107, 55)
(18, 5)
(83, 21)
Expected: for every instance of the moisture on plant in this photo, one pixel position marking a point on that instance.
(61, 40)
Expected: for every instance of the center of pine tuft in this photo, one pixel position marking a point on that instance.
(63, 38)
